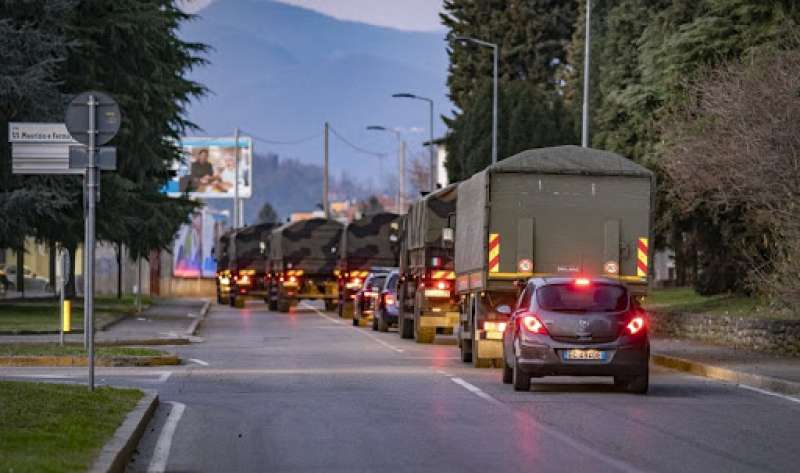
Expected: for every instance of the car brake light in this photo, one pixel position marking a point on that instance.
(532, 324)
(582, 282)
(635, 325)
(388, 299)
(441, 285)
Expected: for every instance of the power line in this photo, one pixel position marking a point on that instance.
(356, 147)
(276, 142)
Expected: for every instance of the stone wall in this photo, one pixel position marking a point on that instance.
(775, 336)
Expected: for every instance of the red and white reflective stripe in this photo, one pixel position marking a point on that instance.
(443, 275)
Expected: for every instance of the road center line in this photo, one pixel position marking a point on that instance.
(770, 393)
(158, 464)
(199, 362)
(374, 338)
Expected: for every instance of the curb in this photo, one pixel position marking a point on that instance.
(39, 332)
(116, 361)
(195, 325)
(117, 452)
(142, 341)
(724, 374)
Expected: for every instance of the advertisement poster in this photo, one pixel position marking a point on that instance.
(208, 167)
(193, 250)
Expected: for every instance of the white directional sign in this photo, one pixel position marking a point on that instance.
(40, 148)
(39, 133)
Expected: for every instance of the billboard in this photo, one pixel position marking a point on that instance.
(193, 249)
(208, 167)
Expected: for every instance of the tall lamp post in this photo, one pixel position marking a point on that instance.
(495, 49)
(401, 194)
(406, 95)
(587, 59)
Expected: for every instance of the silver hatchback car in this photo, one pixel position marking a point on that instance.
(577, 327)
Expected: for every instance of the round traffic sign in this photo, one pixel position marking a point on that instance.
(525, 265)
(107, 117)
(611, 267)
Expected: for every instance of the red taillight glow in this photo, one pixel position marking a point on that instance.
(635, 325)
(356, 280)
(292, 279)
(582, 282)
(533, 325)
(441, 285)
(388, 299)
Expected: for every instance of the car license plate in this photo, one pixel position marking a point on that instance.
(584, 354)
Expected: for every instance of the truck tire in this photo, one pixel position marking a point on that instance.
(421, 334)
(382, 325)
(465, 346)
(272, 305)
(521, 381)
(355, 321)
(477, 361)
(374, 323)
(283, 305)
(232, 301)
(508, 372)
(330, 305)
(404, 327)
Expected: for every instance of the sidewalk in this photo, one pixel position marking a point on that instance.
(755, 369)
(164, 320)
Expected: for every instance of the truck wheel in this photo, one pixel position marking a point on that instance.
(423, 334)
(330, 306)
(355, 321)
(382, 325)
(405, 328)
(466, 350)
(220, 300)
(232, 301)
(283, 305)
(508, 372)
(273, 305)
(374, 322)
(521, 381)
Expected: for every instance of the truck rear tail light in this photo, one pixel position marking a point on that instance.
(389, 299)
(491, 326)
(532, 324)
(441, 285)
(635, 325)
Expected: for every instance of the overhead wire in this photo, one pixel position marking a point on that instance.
(356, 147)
(278, 142)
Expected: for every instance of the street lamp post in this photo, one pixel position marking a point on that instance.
(586, 71)
(406, 95)
(401, 194)
(495, 50)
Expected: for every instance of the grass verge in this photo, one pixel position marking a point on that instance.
(44, 315)
(58, 427)
(52, 349)
(684, 299)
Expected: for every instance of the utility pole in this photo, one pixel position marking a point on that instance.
(401, 197)
(325, 204)
(236, 210)
(430, 147)
(586, 70)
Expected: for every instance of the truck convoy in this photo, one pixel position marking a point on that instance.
(426, 294)
(242, 263)
(370, 242)
(302, 263)
(567, 211)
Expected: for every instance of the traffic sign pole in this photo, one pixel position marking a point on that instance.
(89, 244)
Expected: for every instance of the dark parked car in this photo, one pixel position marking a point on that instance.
(366, 298)
(577, 327)
(387, 309)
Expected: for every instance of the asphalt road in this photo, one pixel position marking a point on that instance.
(307, 392)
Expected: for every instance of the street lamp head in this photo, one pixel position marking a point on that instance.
(404, 95)
(377, 127)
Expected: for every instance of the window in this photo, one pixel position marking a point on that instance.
(525, 298)
(592, 298)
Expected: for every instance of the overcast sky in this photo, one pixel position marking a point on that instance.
(410, 15)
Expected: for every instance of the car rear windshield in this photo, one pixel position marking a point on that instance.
(392, 284)
(574, 298)
(377, 282)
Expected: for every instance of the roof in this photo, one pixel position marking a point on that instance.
(570, 159)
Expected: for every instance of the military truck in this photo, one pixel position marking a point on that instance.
(563, 210)
(303, 258)
(369, 242)
(427, 297)
(248, 258)
(222, 256)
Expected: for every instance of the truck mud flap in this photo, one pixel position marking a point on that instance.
(450, 320)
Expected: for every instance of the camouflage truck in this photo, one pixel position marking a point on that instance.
(564, 210)
(426, 294)
(249, 257)
(222, 256)
(303, 258)
(369, 242)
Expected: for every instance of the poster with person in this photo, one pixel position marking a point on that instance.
(193, 249)
(208, 167)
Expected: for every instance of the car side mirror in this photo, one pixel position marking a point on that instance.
(504, 309)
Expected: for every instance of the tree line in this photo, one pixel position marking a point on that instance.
(51, 50)
(704, 92)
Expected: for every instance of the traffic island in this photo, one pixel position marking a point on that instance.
(36, 354)
(60, 427)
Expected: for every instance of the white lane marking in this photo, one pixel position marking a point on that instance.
(164, 376)
(366, 334)
(199, 362)
(476, 391)
(770, 393)
(158, 464)
(575, 444)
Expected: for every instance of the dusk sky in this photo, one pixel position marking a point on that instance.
(409, 15)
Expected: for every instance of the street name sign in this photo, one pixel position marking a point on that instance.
(40, 148)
